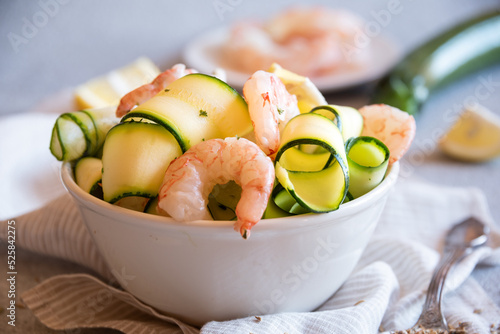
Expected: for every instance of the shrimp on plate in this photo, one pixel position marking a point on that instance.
(311, 41)
(395, 128)
(270, 107)
(190, 178)
(147, 91)
(317, 39)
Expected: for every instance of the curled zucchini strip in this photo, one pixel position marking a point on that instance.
(195, 108)
(368, 159)
(329, 112)
(81, 133)
(152, 206)
(318, 182)
(223, 199)
(286, 202)
(348, 119)
(134, 160)
(88, 175)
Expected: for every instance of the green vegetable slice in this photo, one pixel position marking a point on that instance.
(349, 120)
(348, 198)
(273, 211)
(136, 203)
(318, 189)
(352, 121)
(152, 206)
(88, 175)
(286, 202)
(223, 199)
(296, 159)
(135, 158)
(71, 136)
(368, 159)
(329, 112)
(81, 133)
(197, 107)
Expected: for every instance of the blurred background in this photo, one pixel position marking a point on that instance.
(49, 45)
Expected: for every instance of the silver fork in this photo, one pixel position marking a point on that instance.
(460, 241)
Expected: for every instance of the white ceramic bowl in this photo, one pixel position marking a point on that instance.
(204, 270)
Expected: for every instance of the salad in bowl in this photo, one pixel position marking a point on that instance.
(223, 204)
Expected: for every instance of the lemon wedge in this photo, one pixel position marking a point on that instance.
(107, 90)
(474, 137)
(308, 95)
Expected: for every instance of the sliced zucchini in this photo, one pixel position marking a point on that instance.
(282, 198)
(348, 119)
(273, 211)
(368, 159)
(287, 203)
(81, 133)
(136, 203)
(197, 107)
(319, 190)
(219, 211)
(104, 119)
(152, 206)
(135, 158)
(352, 121)
(88, 175)
(72, 136)
(330, 113)
(223, 199)
(348, 198)
(305, 160)
(183, 120)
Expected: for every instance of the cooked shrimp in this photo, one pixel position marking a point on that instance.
(270, 107)
(190, 178)
(395, 128)
(310, 22)
(311, 41)
(147, 91)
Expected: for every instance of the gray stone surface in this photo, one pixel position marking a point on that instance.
(75, 41)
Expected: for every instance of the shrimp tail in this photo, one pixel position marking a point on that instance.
(134, 98)
(243, 229)
(147, 91)
(245, 233)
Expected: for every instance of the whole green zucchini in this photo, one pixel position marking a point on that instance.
(460, 51)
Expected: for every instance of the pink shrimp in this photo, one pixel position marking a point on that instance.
(270, 107)
(310, 41)
(395, 128)
(147, 91)
(190, 178)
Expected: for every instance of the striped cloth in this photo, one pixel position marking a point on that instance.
(384, 293)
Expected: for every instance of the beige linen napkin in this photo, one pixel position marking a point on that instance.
(57, 230)
(82, 301)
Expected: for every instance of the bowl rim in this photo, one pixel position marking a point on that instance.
(157, 222)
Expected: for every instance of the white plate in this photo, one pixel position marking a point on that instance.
(203, 54)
